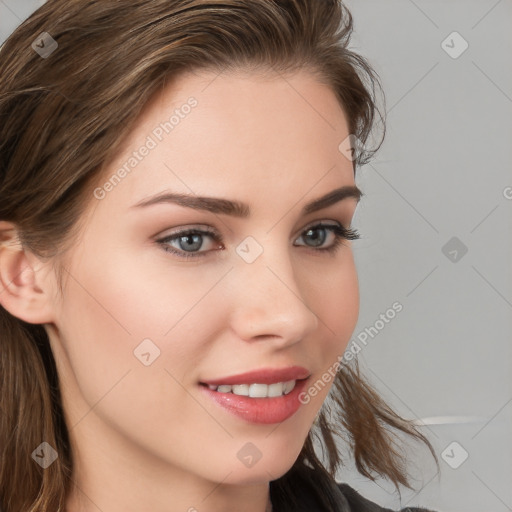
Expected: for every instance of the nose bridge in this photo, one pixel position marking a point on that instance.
(269, 300)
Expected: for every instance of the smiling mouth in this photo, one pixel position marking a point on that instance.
(256, 402)
(256, 390)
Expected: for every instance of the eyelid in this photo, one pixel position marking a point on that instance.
(187, 228)
(212, 231)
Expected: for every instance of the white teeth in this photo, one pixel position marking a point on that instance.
(275, 389)
(241, 389)
(256, 390)
(288, 386)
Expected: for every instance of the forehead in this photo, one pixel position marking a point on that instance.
(246, 132)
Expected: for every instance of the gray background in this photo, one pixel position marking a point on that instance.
(443, 172)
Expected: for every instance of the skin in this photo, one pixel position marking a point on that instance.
(145, 437)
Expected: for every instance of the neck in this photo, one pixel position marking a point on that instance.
(102, 482)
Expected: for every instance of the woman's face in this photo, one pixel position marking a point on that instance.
(139, 328)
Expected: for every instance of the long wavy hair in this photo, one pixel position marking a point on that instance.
(64, 116)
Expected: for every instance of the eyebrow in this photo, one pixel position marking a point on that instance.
(239, 209)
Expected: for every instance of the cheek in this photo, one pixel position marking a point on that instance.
(112, 306)
(336, 302)
(109, 312)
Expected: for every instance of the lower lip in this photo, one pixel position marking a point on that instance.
(260, 410)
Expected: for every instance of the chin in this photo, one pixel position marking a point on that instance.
(271, 467)
(260, 473)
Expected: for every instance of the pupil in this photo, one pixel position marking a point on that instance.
(187, 238)
(318, 240)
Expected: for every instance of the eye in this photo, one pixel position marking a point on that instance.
(187, 243)
(338, 234)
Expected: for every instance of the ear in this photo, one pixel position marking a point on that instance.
(25, 280)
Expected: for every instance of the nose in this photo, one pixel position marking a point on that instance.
(268, 303)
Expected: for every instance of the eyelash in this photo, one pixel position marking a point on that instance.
(341, 233)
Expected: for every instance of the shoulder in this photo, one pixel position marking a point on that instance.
(360, 504)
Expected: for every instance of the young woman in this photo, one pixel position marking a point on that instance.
(177, 285)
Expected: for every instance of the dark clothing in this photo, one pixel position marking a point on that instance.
(356, 503)
(307, 490)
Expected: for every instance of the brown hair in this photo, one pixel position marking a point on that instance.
(64, 116)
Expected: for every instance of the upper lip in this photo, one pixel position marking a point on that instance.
(263, 376)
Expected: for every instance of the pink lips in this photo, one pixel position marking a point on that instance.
(263, 376)
(260, 410)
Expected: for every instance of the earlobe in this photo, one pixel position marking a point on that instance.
(22, 285)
